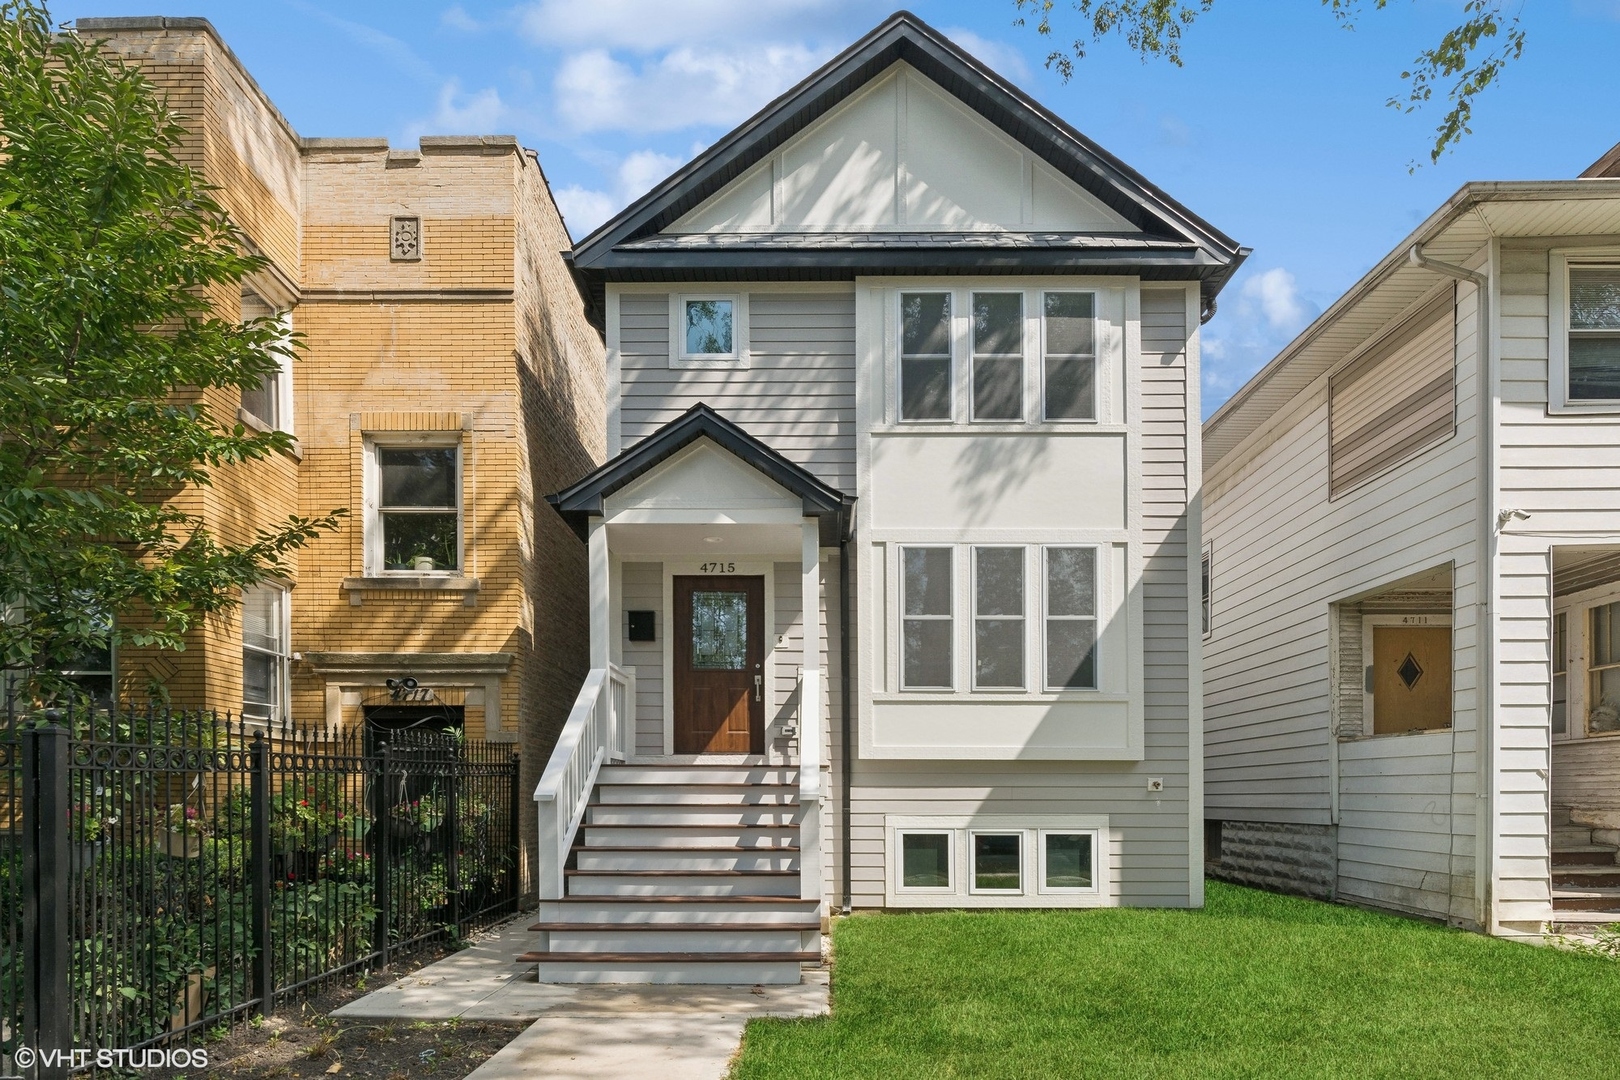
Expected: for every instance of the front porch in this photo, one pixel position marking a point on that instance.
(681, 812)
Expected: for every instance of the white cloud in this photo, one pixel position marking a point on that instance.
(999, 57)
(583, 209)
(457, 113)
(596, 91)
(455, 16)
(648, 26)
(1254, 322)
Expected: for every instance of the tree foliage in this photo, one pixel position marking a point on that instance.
(1469, 58)
(110, 249)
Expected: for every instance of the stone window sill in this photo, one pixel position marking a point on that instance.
(414, 583)
(253, 423)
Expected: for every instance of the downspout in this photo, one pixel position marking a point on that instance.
(845, 680)
(1485, 584)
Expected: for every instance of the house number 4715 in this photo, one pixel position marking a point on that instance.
(718, 568)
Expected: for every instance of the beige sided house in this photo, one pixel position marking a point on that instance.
(450, 374)
(1412, 568)
(892, 600)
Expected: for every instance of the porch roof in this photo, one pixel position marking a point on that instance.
(584, 500)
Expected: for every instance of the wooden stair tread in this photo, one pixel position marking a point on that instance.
(668, 958)
(621, 899)
(732, 928)
(680, 824)
(682, 873)
(721, 849)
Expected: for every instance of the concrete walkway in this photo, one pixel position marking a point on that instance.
(624, 1032)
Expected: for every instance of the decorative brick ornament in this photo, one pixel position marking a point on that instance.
(405, 239)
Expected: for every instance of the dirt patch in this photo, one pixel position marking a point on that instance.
(302, 1041)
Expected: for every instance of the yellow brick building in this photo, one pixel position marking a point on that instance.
(448, 375)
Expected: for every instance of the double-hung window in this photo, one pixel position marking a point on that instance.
(925, 356)
(264, 653)
(926, 661)
(1603, 692)
(1560, 674)
(1594, 334)
(1071, 618)
(417, 526)
(998, 618)
(998, 356)
(1069, 356)
(268, 402)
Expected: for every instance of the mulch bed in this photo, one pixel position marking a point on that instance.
(302, 1041)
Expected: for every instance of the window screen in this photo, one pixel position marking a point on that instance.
(926, 653)
(1068, 367)
(998, 356)
(1594, 333)
(925, 356)
(998, 617)
(1071, 618)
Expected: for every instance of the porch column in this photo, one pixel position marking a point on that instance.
(601, 617)
(810, 718)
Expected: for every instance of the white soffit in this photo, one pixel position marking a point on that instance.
(703, 477)
(901, 155)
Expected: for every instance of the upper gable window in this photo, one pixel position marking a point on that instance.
(1594, 333)
(925, 356)
(708, 330)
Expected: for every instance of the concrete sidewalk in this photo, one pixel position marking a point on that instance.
(625, 1032)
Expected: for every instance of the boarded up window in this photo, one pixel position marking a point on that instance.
(1397, 398)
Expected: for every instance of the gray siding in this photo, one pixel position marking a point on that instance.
(643, 590)
(797, 394)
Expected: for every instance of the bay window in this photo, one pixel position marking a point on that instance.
(1069, 356)
(926, 662)
(998, 618)
(925, 356)
(1071, 618)
(998, 356)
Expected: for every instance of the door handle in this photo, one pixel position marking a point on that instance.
(759, 682)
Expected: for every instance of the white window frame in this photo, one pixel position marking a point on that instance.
(1578, 608)
(973, 629)
(1100, 568)
(373, 539)
(953, 619)
(953, 331)
(737, 358)
(283, 392)
(951, 873)
(1032, 829)
(1559, 265)
(1206, 590)
(1566, 657)
(1096, 388)
(280, 709)
(1023, 356)
(973, 861)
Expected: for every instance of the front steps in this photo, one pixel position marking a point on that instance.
(1585, 875)
(683, 874)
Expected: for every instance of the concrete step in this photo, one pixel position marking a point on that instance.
(697, 795)
(1588, 899)
(724, 969)
(672, 858)
(677, 910)
(1586, 877)
(682, 939)
(684, 883)
(1560, 815)
(1570, 836)
(664, 815)
(1584, 855)
(666, 835)
(749, 775)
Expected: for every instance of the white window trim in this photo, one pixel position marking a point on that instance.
(1041, 887)
(973, 863)
(956, 327)
(1096, 388)
(973, 629)
(951, 875)
(972, 354)
(953, 618)
(373, 538)
(283, 386)
(1368, 624)
(1099, 569)
(281, 708)
(1559, 263)
(1578, 608)
(1206, 589)
(1570, 621)
(1033, 828)
(738, 358)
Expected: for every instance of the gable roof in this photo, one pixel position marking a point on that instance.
(1170, 241)
(585, 499)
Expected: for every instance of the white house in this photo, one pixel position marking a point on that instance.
(891, 592)
(1412, 558)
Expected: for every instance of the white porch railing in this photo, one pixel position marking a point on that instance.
(598, 730)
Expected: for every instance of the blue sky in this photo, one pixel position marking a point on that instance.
(1275, 130)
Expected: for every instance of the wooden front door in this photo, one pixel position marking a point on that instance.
(1411, 678)
(719, 665)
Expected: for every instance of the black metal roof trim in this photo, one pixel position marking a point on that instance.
(584, 500)
(905, 37)
(908, 240)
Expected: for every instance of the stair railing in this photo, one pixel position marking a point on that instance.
(598, 730)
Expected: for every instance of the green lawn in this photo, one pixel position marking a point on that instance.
(1253, 985)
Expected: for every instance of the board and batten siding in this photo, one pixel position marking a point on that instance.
(1149, 844)
(1396, 398)
(1284, 551)
(642, 589)
(797, 393)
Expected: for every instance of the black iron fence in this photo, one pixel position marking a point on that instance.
(166, 873)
